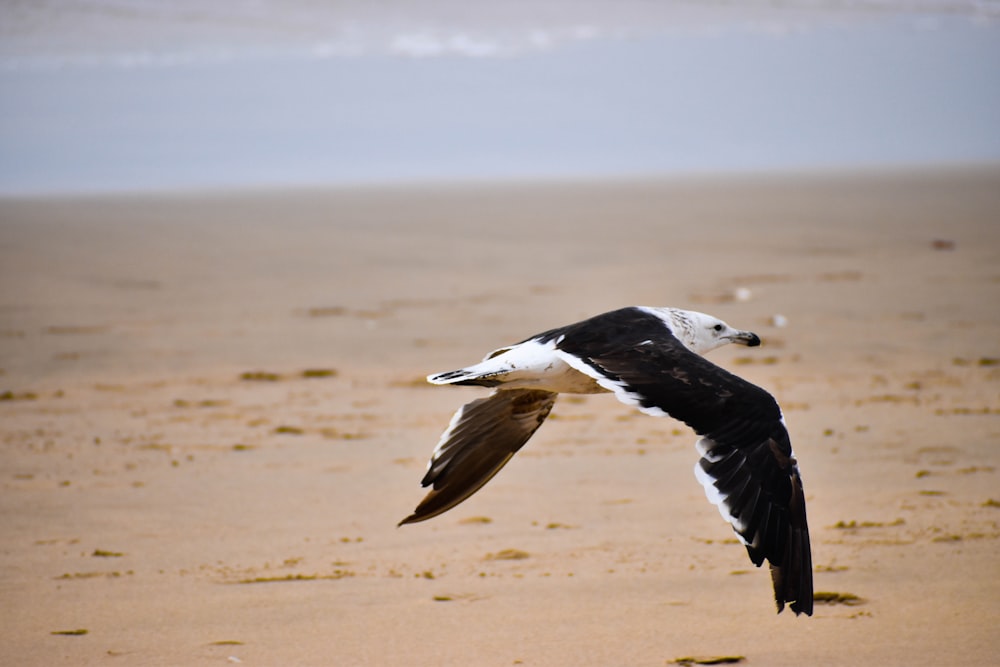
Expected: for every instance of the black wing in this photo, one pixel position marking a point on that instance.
(482, 437)
(747, 463)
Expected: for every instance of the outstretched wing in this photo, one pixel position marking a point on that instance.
(747, 466)
(481, 438)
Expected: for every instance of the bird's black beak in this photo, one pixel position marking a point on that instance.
(748, 338)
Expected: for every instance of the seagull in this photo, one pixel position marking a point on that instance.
(649, 358)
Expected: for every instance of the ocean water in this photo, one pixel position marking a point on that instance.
(135, 95)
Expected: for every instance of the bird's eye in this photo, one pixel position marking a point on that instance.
(718, 327)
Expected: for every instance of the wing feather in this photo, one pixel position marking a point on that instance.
(747, 465)
(481, 438)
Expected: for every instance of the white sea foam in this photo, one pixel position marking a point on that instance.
(164, 94)
(164, 33)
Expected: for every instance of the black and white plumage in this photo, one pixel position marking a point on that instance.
(649, 358)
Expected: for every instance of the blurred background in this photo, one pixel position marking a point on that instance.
(138, 95)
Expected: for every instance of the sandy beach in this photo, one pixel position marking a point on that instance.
(213, 415)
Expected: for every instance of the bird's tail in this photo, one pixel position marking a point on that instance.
(490, 372)
(466, 376)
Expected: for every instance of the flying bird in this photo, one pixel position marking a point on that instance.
(649, 358)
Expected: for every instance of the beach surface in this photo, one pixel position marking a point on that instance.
(213, 415)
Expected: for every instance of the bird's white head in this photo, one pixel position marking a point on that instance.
(702, 333)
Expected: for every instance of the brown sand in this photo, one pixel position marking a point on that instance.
(182, 515)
